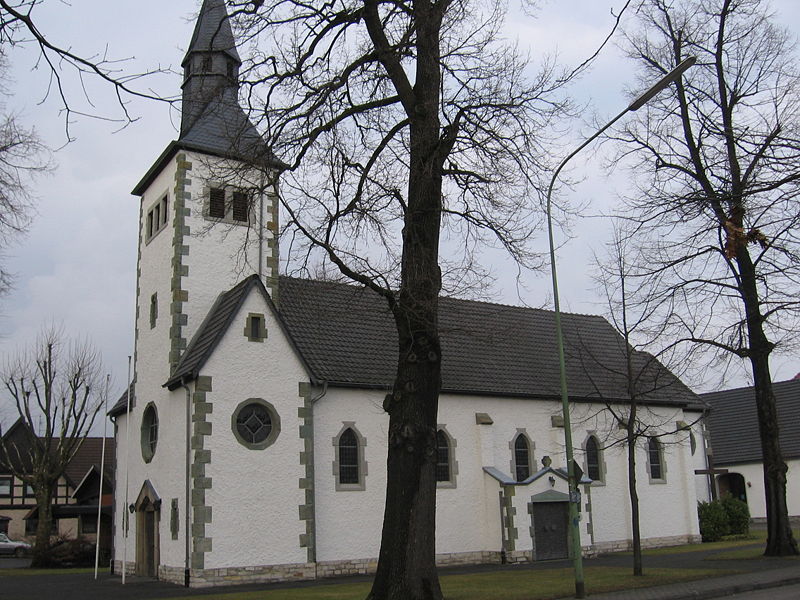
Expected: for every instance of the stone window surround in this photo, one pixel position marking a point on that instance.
(274, 419)
(451, 456)
(156, 219)
(147, 452)
(521, 431)
(601, 458)
(362, 462)
(229, 191)
(262, 329)
(660, 446)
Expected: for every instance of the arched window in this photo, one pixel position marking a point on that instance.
(594, 468)
(348, 457)
(522, 457)
(149, 432)
(349, 465)
(655, 460)
(442, 456)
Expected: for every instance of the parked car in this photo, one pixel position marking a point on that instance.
(8, 546)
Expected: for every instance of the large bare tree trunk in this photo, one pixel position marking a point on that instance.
(780, 541)
(406, 564)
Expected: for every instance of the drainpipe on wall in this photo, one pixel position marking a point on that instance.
(312, 402)
(187, 517)
(503, 559)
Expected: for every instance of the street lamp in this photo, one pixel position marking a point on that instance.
(643, 99)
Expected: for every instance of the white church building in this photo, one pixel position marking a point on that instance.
(257, 436)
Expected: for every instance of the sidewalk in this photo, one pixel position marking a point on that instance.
(753, 574)
(716, 587)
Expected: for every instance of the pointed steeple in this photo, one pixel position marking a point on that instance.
(211, 65)
(212, 32)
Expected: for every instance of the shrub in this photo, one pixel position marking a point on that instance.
(738, 515)
(78, 552)
(713, 521)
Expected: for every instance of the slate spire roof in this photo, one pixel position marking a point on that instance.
(212, 32)
(212, 120)
(345, 336)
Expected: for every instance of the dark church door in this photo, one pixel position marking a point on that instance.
(550, 521)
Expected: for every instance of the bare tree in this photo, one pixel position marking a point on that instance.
(56, 387)
(718, 216)
(633, 312)
(18, 27)
(406, 126)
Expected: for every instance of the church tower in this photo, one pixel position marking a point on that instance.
(208, 221)
(209, 209)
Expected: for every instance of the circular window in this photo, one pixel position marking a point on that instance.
(149, 438)
(255, 423)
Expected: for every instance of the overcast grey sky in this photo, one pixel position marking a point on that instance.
(77, 265)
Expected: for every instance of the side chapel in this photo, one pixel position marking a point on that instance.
(257, 439)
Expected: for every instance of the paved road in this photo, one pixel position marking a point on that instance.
(790, 592)
(9, 562)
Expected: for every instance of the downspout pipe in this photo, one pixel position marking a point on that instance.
(187, 510)
(312, 402)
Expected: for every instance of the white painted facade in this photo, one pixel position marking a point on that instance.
(753, 474)
(209, 509)
(255, 499)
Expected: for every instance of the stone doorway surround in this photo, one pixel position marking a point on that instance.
(148, 515)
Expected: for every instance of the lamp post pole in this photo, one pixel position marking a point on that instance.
(574, 498)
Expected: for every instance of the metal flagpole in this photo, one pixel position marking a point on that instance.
(102, 472)
(125, 515)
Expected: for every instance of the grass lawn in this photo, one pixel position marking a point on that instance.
(503, 585)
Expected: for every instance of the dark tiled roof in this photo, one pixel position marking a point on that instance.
(733, 423)
(212, 32)
(88, 455)
(346, 334)
(223, 129)
(211, 331)
(121, 405)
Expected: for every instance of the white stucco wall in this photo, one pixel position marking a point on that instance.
(254, 496)
(217, 258)
(220, 253)
(151, 369)
(349, 522)
(753, 474)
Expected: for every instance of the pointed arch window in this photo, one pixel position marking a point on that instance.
(655, 461)
(594, 460)
(522, 457)
(349, 468)
(446, 465)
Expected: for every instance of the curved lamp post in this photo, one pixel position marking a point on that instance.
(574, 498)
